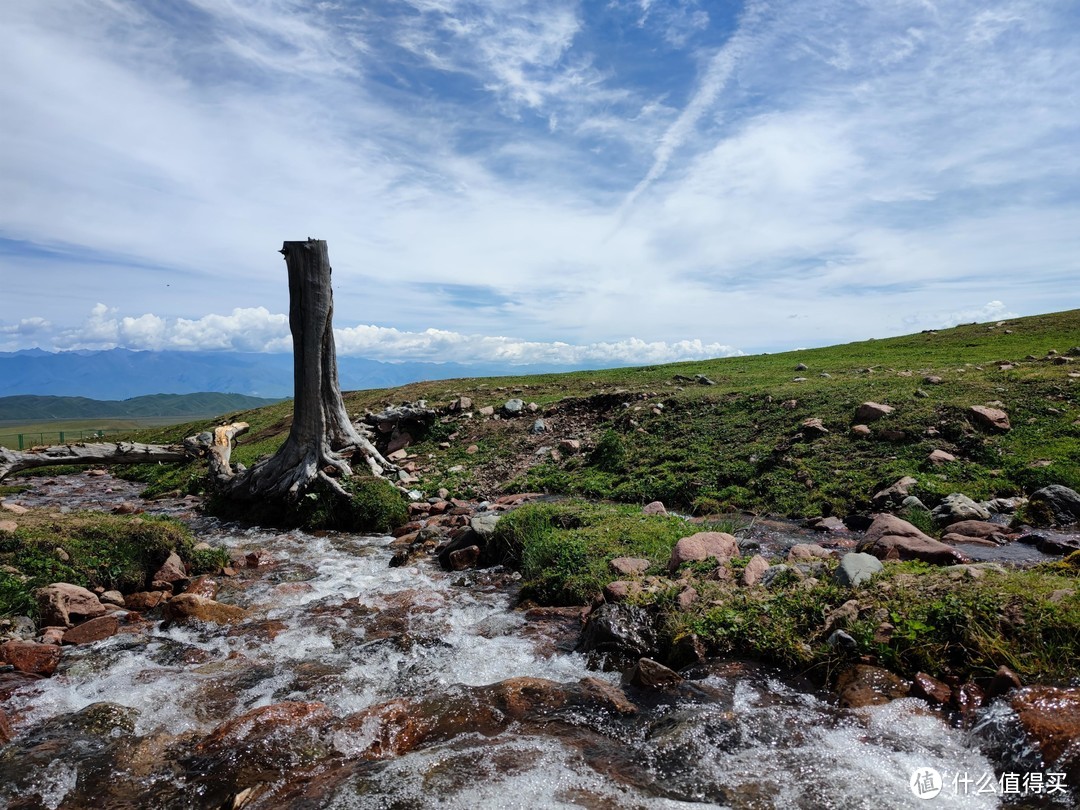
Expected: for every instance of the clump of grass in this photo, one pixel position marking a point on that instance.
(90, 549)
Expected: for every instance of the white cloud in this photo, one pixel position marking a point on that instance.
(258, 330)
(991, 311)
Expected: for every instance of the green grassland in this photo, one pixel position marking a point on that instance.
(48, 431)
(653, 433)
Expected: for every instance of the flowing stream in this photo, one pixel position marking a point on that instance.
(331, 623)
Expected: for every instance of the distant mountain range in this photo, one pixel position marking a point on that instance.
(29, 408)
(120, 374)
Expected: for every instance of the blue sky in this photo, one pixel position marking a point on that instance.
(580, 182)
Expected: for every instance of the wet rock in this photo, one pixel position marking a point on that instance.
(930, 689)
(830, 525)
(654, 508)
(1058, 544)
(188, 606)
(143, 601)
(992, 419)
(203, 586)
(629, 566)
(754, 571)
(1003, 682)
(466, 538)
(702, 546)
(864, 685)
(64, 604)
(872, 411)
(463, 558)
(398, 726)
(957, 507)
(857, 569)
(687, 650)
(1056, 505)
(890, 538)
(93, 630)
(615, 636)
(1050, 717)
(7, 733)
(976, 528)
(30, 656)
(171, 571)
(651, 675)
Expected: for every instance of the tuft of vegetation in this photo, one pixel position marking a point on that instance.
(373, 505)
(90, 549)
(563, 549)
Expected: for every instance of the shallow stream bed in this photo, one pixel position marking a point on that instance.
(344, 642)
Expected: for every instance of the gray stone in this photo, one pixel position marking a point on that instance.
(1059, 503)
(484, 524)
(892, 495)
(538, 427)
(957, 507)
(857, 568)
(629, 566)
(513, 407)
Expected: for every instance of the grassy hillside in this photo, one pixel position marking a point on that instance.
(27, 408)
(654, 432)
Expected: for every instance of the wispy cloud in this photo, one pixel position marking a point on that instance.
(555, 173)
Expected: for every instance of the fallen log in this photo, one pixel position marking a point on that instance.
(12, 461)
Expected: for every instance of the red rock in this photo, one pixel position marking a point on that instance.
(65, 604)
(629, 566)
(464, 558)
(7, 733)
(930, 689)
(939, 457)
(144, 600)
(93, 630)
(754, 570)
(649, 674)
(702, 546)
(1051, 718)
(807, 552)
(52, 635)
(654, 508)
(687, 596)
(989, 418)
(1004, 681)
(254, 729)
(871, 411)
(30, 656)
(172, 570)
(864, 685)
(188, 606)
(890, 538)
(254, 559)
(976, 528)
(203, 586)
(620, 590)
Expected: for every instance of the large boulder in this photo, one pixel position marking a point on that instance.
(1056, 504)
(63, 604)
(702, 546)
(890, 538)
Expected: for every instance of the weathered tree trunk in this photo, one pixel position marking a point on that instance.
(322, 440)
(12, 461)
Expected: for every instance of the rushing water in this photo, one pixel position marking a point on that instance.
(331, 623)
